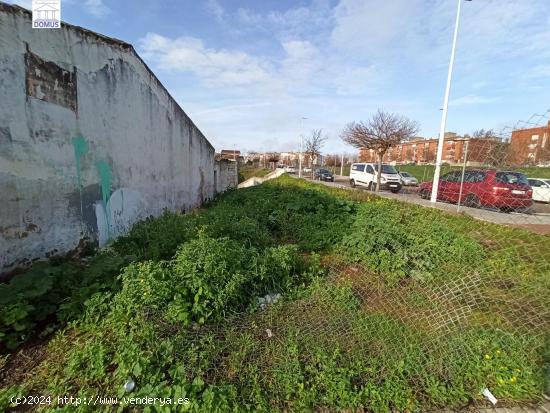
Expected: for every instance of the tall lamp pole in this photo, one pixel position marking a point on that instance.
(301, 146)
(441, 142)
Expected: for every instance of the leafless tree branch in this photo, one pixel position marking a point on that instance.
(383, 131)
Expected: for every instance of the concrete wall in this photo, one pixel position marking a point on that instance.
(226, 175)
(90, 141)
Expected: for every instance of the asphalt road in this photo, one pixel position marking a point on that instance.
(536, 219)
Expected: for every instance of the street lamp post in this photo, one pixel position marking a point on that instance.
(465, 161)
(435, 184)
(301, 146)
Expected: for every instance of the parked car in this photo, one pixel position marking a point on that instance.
(407, 179)
(307, 170)
(323, 175)
(505, 190)
(541, 189)
(365, 174)
(290, 169)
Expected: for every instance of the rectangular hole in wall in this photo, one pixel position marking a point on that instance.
(49, 82)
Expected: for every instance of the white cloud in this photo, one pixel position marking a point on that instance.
(539, 71)
(470, 100)
(96, 8)
(291, 23)
(215, 8)
(367, 26)
(216, 68)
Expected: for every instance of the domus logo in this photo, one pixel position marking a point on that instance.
(46, 14)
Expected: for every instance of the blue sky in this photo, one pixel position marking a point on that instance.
(247, 71)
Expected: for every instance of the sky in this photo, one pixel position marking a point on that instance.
(248, 71)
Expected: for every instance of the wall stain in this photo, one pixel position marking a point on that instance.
(86, 198)
(105, 179)
(5, 135)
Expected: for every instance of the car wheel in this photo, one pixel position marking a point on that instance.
(352, 183)
(506, 209)
(472, 201)
(394, 191)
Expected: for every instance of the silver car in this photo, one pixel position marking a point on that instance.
(407, 179)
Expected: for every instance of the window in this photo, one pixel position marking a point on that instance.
(370, 169)
(511, 178)
(358, 167)
(451, 177)
(474, 176)
(386, 169)
(535, 183)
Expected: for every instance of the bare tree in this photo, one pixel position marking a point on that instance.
(332, 160)
(313, 145)
(495, 149)
(380, 133)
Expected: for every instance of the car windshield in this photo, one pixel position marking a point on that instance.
(386, 169)
(512, 178)
(405, 174)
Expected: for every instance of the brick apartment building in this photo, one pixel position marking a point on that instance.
(423, 151)
(229, 154)
(530, 146)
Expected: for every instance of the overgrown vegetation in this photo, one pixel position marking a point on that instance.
(368, 292)
(51, 294)
(248, 171)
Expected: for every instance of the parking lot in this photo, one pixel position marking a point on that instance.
(536, 219)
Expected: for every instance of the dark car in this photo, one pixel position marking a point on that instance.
(505, 190)
(323, 175)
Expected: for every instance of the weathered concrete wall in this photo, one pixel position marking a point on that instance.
(226, 175)
(90, 141)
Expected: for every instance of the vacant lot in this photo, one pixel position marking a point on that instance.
(292, 296)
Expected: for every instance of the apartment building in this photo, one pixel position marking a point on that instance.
(531, 146)
(424, 151)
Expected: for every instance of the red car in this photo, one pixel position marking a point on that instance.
(505, 190)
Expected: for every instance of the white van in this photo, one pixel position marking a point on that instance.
(365, 174)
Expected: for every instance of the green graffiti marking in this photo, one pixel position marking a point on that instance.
(105, 179)
(80, 149)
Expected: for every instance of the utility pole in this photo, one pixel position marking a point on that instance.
(342, 165)
(437, 173)
(301, 146)
(463, 172)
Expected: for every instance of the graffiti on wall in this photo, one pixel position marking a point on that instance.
(117, 210)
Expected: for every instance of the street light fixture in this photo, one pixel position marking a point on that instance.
(441, 142)
(301, 146)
